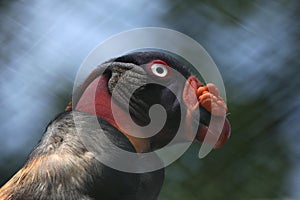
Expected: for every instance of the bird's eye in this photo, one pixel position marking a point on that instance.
(159, 69)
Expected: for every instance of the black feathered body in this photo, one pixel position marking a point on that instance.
(61, 167)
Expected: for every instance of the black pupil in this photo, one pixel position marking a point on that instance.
(160, 70)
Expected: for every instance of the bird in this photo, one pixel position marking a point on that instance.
(62, 167)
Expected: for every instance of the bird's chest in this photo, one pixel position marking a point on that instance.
(115, 184)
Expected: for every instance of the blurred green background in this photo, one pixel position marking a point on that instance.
(255, 44)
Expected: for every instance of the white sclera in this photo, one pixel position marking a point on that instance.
(159, 70)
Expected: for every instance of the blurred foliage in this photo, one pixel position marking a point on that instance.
(256, 46)
(236, 10)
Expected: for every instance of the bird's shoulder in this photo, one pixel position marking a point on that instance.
(62, 167)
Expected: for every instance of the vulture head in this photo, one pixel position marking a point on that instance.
(128, 86)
